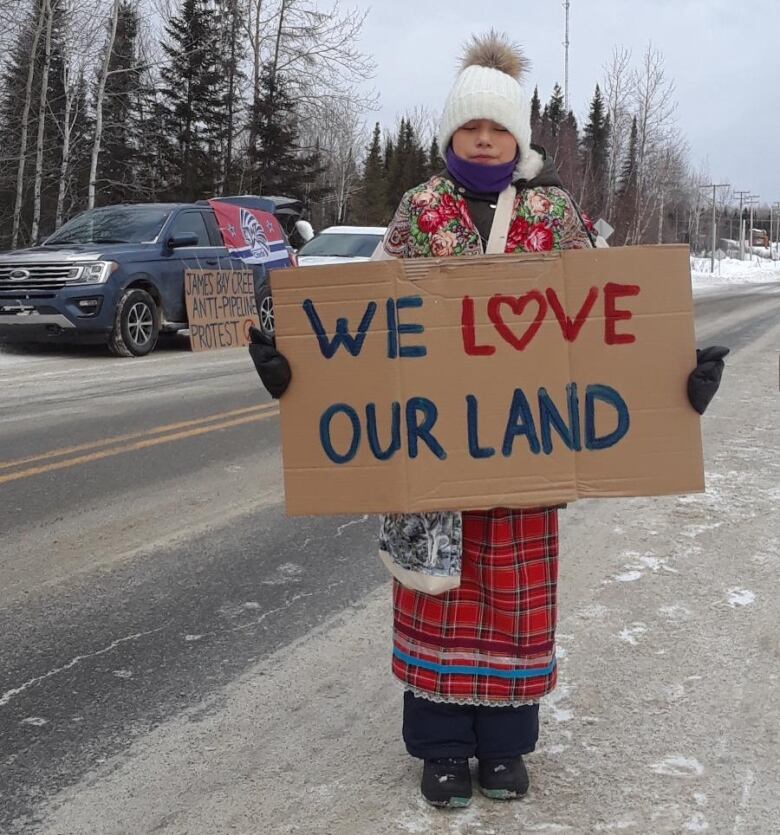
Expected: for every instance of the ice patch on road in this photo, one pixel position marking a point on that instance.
(628, 577)
(632, 632)
(740, 597)
(15, 691)
(697, 823)
(341, 528)
(288, 572)
(640, 563)
(678, 766)
(594, 612)
(676, 613)
(552, 703)
(425, 821)
(675, 692)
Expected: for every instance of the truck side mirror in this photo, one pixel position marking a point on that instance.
(304, 229)
(179, 241)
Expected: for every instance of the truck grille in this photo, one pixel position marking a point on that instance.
(38, 276)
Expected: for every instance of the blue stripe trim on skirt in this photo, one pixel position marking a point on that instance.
(459, 669)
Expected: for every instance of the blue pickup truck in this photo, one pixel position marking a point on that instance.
(115, 275)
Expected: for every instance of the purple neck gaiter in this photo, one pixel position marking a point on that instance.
(478, 177)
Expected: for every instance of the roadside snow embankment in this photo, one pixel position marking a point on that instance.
(733, 271)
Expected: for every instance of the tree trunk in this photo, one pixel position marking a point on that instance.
(254, 38)
(41, 124)
(228, 171)
(23, 138)
(65, 163)
(99, 104)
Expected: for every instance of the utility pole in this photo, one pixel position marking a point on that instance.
(751, 201)
(714, 187)
(773, 248)
(566, 5)
(742, 195)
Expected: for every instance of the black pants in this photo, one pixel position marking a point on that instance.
(433, 730)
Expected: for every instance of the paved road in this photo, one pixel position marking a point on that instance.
(174, 652)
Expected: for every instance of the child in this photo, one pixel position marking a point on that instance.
(475, 592)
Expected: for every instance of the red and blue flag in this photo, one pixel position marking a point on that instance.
(254, 236)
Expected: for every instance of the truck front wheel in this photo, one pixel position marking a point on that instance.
(136, 325)
(265, 311)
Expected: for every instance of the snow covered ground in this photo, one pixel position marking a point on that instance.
(731, 271)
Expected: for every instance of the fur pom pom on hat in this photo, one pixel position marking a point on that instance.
(489, 86)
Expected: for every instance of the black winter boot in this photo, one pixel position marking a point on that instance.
(503, 779)
(447, 782)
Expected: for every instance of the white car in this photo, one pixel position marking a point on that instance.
(341, 245)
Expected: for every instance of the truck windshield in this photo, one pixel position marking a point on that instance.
(341, 245)
(112, 224)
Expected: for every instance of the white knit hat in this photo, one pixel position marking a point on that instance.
(488, 87)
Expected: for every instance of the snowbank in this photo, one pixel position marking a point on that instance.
(733, 271)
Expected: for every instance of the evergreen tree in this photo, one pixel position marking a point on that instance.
(544, 136)
(279, 166)
(536, 115)
(408, 167)
(626, 203)
(13, 90)
(119, 178)
(434, 158)
(192, 104)
(555, 111)
(567, 156)
(230, 53)
(595, 155)
(372, 208)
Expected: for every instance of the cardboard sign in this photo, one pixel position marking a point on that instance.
(500, 381)
(221, 308)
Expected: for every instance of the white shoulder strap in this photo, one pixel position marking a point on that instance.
(499, 231)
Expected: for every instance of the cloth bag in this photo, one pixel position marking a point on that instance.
(424, 551)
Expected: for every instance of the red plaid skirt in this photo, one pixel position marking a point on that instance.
(491, 641)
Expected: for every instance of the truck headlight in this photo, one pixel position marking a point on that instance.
(96, 272)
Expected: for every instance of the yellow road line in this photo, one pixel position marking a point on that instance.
(149, 442)
(168, 427)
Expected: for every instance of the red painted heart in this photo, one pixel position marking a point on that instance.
(517, 305)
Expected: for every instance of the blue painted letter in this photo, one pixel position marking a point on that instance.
(373, 433)
(353, 344)
(327, 444)
(410, 350)
(422, 430)
(521, 422)
(607, 395)
(550, 417)
(475, 450)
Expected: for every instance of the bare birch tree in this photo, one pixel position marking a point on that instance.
(617, 88)
(112, 23)
(653, 97)
(36, 220)
(25, 126)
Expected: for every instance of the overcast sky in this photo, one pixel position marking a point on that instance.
(724, 56)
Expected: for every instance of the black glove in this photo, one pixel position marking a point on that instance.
(704, 380)
(273, 368)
